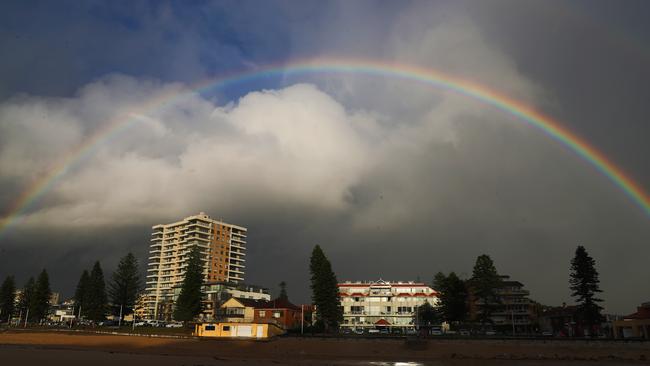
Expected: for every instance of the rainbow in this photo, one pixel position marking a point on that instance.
(427, 76)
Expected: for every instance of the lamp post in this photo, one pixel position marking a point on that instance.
(119, 321)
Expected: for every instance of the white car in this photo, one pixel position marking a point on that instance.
(174, 325)
(140, 323)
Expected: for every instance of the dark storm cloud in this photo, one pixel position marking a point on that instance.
(394, 180)
(593, 63)
(53, 48)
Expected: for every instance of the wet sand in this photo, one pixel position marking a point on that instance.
(58, 348)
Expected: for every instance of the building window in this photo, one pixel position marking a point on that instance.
(210, 327)
(226, 328)
(262, 313)
(277, 314)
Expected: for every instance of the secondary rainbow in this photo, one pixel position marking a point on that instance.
(434, 78)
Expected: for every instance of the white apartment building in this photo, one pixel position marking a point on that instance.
(223, 248)
(383, 303)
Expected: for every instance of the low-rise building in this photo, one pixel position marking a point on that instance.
(514, 310)
(216, 293)
(559, 320)
(383, 304)
(237, 330)
(237, 310)
(280, 312)
(636, 325)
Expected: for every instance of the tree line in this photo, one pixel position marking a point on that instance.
(33, 302)
(91, 298)
(455, 294)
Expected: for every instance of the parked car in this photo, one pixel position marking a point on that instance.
(155, 323)
(108, 323)
(411, 331)
(373, 331)
(464, 332)
(358, 331)
(384, 331)
(547, 334)
(174, 325)
(141, 323)
(490, 333)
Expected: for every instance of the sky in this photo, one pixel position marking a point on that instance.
(393, 178)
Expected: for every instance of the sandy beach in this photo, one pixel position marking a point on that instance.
(68, 348)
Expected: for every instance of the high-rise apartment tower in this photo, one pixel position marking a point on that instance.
(223, 248)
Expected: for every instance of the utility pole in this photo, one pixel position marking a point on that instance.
(302, 319)
(26, 317)
(513, 321)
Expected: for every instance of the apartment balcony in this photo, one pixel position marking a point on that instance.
(201, 223)
(197, 231)
(241, 248)
(196, 237)
(236, 270)
(239, 270)
(502, 292)
(510, 312)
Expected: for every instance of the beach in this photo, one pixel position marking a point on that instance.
(75, 348)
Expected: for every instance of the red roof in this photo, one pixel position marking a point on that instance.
(278, 303)
(641, 313)
(382, 322)
(386, 285)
